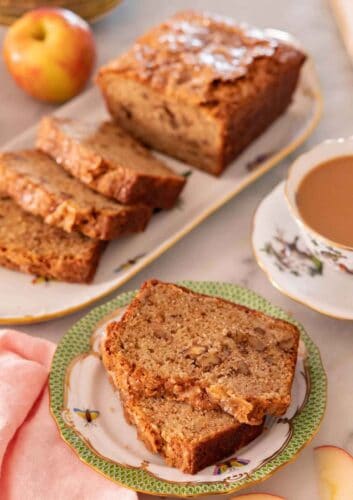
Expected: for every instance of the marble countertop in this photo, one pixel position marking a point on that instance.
(222, 242)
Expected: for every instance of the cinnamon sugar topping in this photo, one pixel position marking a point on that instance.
(191, 50)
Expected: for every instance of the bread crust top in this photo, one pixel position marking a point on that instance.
(192, 55)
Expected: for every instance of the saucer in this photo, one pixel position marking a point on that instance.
(281, 253)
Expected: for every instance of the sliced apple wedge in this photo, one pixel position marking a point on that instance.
(334, 467)
(258, 496)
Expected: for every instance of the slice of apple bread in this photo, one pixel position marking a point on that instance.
(41, 187)
(110, 161)
(205, 351)
(29, 245)
(190, 439)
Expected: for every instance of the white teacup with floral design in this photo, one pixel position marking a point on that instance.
(326, 250)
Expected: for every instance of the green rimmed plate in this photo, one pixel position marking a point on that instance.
(89, 416)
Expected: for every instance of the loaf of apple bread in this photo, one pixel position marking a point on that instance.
(200, 87)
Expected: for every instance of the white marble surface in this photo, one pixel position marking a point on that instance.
(219, 249)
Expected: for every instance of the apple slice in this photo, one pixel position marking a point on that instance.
(334, 467)
(257, 496)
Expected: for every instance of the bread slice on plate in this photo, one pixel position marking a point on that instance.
(205, 351)
(40, 186)
(190, 439)
(29, 245)
(110, 161)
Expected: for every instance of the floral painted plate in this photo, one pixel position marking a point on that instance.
(289, 265)
(90, 419)
(26, 299)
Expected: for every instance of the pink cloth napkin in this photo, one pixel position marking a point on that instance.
(35, 464)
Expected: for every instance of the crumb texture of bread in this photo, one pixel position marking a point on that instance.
(110, 161)
(41, 187)
(203, 350)
(200, 87)
(29, 245)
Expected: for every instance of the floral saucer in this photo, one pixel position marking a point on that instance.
(281, 253)
(90, 417)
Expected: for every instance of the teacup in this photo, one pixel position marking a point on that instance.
(324, 249)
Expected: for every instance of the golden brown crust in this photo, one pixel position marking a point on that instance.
(234, 76)
(192, 53)
(29, 245)
(109, 161)
(42, 188)
(185, 381)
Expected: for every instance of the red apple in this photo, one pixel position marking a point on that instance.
(334, 467)
(50, 52)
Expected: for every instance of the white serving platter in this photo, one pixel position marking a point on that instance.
(25, 299)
